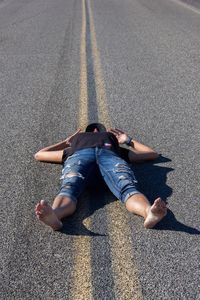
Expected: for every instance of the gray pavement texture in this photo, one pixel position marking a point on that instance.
(150, 57)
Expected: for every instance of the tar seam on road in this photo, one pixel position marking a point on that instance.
(186, 6)
(124, 272)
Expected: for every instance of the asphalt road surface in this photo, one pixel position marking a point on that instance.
(133, 64)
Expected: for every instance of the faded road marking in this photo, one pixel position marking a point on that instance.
(196, 10)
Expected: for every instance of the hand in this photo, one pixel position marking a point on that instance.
(121, 136)
(68, 139)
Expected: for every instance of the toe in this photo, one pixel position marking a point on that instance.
(44, 203)
(157, 201)
(37, 206)
(38, 213)
(164, 204)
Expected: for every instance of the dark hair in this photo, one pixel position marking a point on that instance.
(100, 127)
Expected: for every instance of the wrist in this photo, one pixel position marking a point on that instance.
(128, 141)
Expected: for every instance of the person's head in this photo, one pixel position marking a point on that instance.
(95, 127)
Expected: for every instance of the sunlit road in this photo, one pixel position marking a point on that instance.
(133, 64)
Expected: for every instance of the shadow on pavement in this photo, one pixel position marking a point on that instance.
(92, 200)
(152, 182)
(171, 223)
(74, 225)
(152, 179)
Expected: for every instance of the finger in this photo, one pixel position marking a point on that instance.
(77, 131)
(69, 138)
(119, 130)
(115, 131)
(110, 130)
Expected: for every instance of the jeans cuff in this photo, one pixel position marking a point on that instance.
(130, 194)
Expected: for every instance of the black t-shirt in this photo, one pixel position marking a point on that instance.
(85, 140)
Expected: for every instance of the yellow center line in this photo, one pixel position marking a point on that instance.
(127, 285)
(83, 98)
(124, 271)
(81, 274)
(99, 81)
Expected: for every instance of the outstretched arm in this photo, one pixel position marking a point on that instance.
(54, 153)
(137, 151)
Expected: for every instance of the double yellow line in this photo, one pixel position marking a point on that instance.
(102, 107)
(83, 99)
(126, 283)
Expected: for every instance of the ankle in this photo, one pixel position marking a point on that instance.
(147, 210)
(57, 226)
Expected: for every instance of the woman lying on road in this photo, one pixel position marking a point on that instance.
(80, 154)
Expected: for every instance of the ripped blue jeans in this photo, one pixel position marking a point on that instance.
(115, 171)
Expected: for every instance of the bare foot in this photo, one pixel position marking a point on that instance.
(155, 213)
(45, 213)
